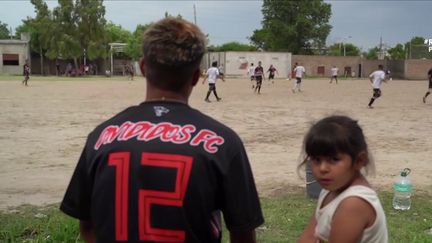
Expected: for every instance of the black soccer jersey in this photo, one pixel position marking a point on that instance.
(430, 78)
(162, 172)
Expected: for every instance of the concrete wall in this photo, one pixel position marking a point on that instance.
(14, 47)
(371, 65)
(237, 63)
(312, 63)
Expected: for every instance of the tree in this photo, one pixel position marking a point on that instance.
(372, 53)
(40, 29)
(417, 49)
(116, 33)
(295, 26)
(337, 49)
(351, 49)
(64, 42)
(133, 48)
(397, 52)
(232, 46)
(90, 21)
(79, 30)
(4, 32)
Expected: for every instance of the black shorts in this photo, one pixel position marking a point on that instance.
(271, 76)
(376, 93)
(298, 80)
(334, 76)
(258, 80)
(252, 78)
(212, 87)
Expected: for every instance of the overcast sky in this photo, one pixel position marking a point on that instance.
(359, 22)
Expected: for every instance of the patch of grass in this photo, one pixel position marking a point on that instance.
(38, 224)
(285, 215)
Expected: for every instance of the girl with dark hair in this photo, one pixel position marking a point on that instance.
(348, 209)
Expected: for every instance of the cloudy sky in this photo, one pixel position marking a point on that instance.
(359, 22)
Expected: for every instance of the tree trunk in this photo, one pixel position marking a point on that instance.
(77, 71)
(41, 61)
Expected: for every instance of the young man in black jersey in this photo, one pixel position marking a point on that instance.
(429, 86)
(162, 171)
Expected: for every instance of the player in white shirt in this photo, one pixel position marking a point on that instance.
(299, 70)
(251, 74)
(212, 75)
(334, 74)
(376, 78)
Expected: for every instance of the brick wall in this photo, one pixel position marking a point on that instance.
(417, 68)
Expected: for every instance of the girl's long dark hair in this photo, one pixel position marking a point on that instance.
(332, 135)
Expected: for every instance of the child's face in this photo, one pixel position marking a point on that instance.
(334, 173)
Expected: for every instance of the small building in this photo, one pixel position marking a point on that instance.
(14, 54)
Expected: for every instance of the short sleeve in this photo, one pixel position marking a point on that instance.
(77, 199)
(241, 205)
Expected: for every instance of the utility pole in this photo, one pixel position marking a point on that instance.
(194, 7)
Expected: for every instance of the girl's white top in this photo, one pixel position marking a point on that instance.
(376, 233)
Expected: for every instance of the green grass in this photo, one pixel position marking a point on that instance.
(286, 216)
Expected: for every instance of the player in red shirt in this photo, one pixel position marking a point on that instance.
(162, 171)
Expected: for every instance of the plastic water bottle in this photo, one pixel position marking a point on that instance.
(402, 191)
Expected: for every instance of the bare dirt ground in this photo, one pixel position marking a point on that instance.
(44, 127)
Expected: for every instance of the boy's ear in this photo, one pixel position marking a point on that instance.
(196, 76)
(142, 66)
(362, 160)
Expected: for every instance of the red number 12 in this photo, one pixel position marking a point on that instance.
(146, 198)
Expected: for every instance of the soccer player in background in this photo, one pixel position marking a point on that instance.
(259, 76)
(430, 85)
(26, 73)
(299, 71)
(272, 70)
(212, 75)
(376, 78)
(251, 74)
(162, 171)
(334, 74)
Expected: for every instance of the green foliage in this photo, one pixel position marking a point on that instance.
(4, 31)
(116, 33)
(295, 26)
(78, 30)
(416, 49)
(337, 49)
(397, 53)
(133, 48)
(372, 53)
(90, 21)
(231, 46)
(351, 49)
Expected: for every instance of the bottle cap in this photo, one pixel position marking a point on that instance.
(405, 172)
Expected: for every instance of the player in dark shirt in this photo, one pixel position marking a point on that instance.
(26, 73)
(162, 171)
(430, 85)
(272, 70)
(259, 76)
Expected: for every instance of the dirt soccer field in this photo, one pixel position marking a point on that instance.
(44, 127)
